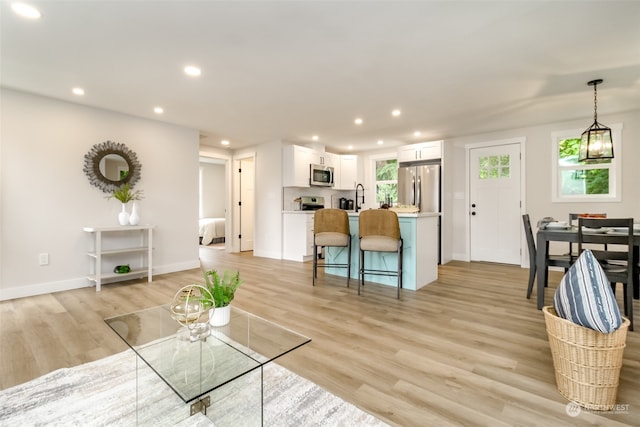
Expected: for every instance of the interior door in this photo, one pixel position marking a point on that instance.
(246, 202)
(494, 195)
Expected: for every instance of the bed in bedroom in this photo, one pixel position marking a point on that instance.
(211, 230)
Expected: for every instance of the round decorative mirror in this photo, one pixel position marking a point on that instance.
(110, 165)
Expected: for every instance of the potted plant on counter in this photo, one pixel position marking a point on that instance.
(223, 289)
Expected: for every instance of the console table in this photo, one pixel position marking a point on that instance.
(99, 253)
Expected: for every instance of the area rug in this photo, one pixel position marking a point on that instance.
(103, 393)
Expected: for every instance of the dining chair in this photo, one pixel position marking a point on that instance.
(617, 260)
(331, 229)
(379, 231)
(563, 261)
(573, 218)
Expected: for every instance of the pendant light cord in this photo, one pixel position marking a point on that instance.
(595, 102)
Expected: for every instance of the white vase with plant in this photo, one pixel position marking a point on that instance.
(125, 194)
(223, 291)
(123, 216)
(134, 217)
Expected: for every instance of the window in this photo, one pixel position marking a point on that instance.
(494, 167)
(387, 181)
(575, 181)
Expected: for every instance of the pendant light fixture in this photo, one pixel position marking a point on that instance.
(596, 141)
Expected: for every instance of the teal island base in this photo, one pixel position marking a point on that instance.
(419, 233)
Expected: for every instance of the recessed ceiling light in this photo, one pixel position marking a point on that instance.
(380, 142)
(314, 137)
(158, 110)
(396, 113)
(417, 133)
(26, 11)
(350, 147)
(224, 142)
(78, 91)
(358, 121)
(192, 71)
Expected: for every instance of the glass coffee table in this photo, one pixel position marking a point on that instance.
(220, 376)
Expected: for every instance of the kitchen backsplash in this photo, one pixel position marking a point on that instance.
(331, 197)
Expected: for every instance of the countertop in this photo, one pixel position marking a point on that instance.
(400, 215)
(408, 215)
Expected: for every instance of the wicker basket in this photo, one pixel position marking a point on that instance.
(587, 362)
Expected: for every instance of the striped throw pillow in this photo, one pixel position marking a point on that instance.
(584, 296)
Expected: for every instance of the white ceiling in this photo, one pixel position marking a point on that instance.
(292, 69)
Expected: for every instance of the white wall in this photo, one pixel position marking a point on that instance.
(538, 174)
(46, 198)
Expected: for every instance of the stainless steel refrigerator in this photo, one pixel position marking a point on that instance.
(419, 185)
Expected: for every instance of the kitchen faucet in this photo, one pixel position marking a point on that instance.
(358, 207)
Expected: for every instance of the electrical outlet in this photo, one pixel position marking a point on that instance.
(44, 259)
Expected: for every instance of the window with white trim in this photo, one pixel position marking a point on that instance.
(387, 181)
(575, 181)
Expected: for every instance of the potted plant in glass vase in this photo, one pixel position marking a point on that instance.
(223, 289)
(125, 194)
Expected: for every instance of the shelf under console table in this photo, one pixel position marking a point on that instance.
(115, 233)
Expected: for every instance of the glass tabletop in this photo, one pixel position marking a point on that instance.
(193, 369)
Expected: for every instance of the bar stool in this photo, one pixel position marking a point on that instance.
(379, 231)
(331, 228)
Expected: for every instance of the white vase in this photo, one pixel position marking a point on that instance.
(220, 316)
(123, 216)
(134, 218)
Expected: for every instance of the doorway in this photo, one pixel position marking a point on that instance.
(495, 192)
(213, 201)
(244, 172)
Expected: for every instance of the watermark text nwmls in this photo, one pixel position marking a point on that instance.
(573, 409)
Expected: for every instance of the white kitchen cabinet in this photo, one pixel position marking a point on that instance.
(324, 158)
(297, 242)
(119, 249)
(421, 151)
(296, 161)
(346, 174)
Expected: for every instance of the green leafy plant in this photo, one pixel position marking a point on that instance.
(223, 288)
(125, 194)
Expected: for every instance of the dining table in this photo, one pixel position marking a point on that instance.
(570, 234)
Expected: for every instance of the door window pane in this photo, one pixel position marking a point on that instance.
(494, 167)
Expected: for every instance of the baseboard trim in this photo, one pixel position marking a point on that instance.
(43, 288)
(81, 282)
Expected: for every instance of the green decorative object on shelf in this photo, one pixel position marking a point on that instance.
(122, 269)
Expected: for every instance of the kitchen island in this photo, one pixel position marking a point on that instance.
(419, 233)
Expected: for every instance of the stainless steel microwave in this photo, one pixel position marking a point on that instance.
(321, 176)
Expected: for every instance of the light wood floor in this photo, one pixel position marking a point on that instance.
(469, 349)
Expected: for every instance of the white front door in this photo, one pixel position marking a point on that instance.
(247, 195)
(494, 196)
